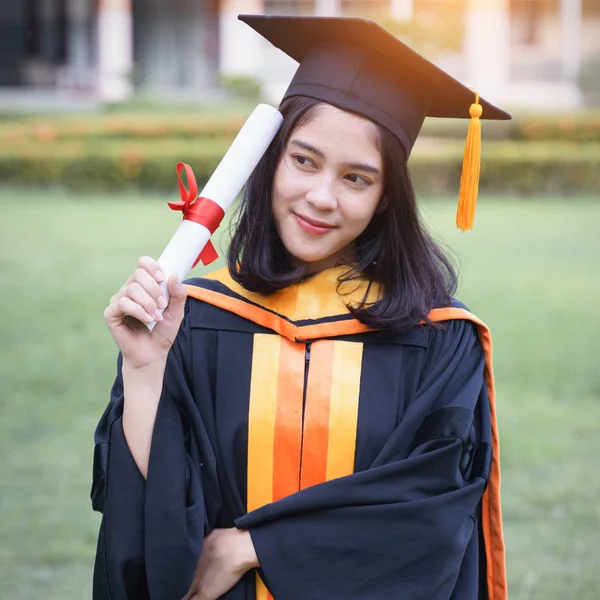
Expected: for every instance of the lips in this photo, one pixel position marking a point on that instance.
(312, 225)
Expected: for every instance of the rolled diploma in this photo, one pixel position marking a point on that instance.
(223, 188)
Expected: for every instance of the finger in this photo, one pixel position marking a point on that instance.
(141, 296)
(125, 306)
(150, 265)
(149, 283)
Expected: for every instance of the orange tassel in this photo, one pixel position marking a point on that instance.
(469, 181)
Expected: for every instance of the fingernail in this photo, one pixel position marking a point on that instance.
(158, 315)
(148, 318)
(160, 276)
(162, 302)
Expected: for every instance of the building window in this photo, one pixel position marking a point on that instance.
(526, 21)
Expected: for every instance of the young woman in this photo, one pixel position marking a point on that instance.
(316, 420)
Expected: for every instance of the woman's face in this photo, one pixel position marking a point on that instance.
(327, 187)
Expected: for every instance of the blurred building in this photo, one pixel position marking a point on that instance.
(551, 43)
(104, 48)
(515, 51)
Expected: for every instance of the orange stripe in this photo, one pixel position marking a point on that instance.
(267, 319)
(288, 420)
(248, 311)
(491, 507)
(326, 330)
(262, 593)
(274, 424)
(261, 419)
(343, 416)
(316, 414)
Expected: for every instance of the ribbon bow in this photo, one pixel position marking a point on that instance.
(203, 211)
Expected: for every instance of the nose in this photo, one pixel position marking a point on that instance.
(321, 195)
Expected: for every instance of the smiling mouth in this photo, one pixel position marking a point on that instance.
(312, 226)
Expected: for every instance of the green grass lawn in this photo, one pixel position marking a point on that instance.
(530, 270)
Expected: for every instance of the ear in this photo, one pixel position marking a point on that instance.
(383, 204)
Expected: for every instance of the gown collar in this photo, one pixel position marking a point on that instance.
(321, 296)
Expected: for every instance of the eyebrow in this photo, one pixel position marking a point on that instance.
(352, 165)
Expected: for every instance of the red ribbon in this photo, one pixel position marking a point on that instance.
(203, 211)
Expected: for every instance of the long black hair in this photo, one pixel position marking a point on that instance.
(395, 250)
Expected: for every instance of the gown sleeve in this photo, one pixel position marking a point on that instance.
(152, 530)
(399, 529)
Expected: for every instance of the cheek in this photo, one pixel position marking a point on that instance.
(278, 193)
(359, 212)
(281, 184)
(288, 188)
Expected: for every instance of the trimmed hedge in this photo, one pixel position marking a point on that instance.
(108, 166)
(571, 128)
(134, 127)
(511, 167)
(578, 127)
(507, 167)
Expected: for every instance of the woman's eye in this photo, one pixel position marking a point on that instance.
(357, 179)
(303, 161)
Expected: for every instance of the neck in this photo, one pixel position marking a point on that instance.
(345, 257)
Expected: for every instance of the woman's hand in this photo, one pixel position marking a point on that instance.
(226, 556)
(141, 297)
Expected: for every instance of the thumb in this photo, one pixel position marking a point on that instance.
(178, 296)
(173, 314)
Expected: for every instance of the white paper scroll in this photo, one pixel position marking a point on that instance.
(223, 188)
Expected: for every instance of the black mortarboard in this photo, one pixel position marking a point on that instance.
(358, 66)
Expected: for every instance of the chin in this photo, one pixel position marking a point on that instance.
(305, 254)
(309, 251)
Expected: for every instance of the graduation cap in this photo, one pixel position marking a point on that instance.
(358, 66)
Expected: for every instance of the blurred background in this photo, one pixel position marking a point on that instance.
(99, 99)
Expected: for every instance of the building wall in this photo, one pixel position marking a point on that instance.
(536, 33)
(545, 32)
(590, 37)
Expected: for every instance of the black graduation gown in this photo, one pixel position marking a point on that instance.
(373, 457)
